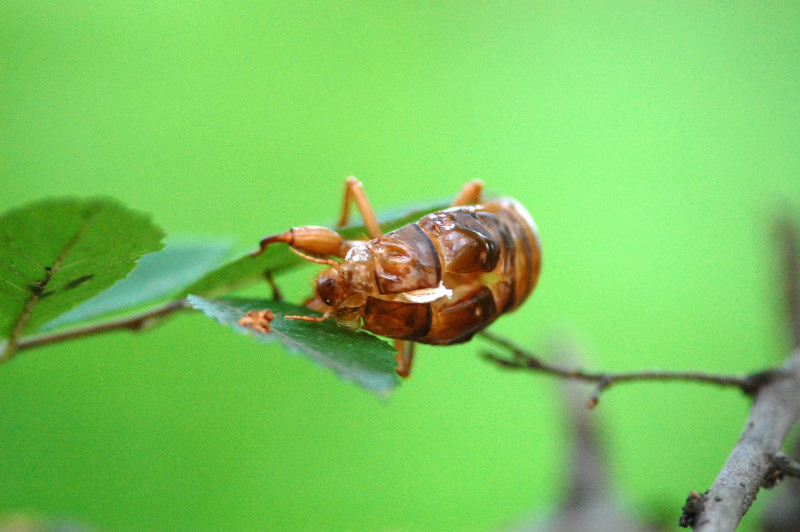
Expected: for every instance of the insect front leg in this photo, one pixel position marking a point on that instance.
(404, 357)
(470, 194)
(354, 190)
(311, 238)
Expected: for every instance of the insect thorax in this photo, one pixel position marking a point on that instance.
(345, 287)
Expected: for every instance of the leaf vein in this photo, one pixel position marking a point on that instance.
(39, 286)
(21, 250)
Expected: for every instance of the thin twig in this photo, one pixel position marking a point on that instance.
(783, 512)
(782, 466)
(135, 322)
(787, 465)
(523, 359)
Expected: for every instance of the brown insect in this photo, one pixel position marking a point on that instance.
(436, 281)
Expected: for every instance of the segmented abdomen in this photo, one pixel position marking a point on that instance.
(489, 256)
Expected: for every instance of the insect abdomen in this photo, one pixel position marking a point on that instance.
(488, 256)
(431, 323)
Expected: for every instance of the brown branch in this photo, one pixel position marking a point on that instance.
(775, 410)
(135, 322)
(525, 360)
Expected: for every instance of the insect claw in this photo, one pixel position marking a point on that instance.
(287, 237)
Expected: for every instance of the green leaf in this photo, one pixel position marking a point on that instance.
(243, 272)
(248, 270)
(158, 276)
(56, 253)
(357, 356)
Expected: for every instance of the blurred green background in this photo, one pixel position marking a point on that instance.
(651, 141)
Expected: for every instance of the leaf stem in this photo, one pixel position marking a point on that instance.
(135, 322)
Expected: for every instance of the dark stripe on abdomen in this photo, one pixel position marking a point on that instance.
(395, 319)
(524, 270)
(459, 321)
(501, 231)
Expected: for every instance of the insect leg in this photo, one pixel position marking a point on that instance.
(353, 189)
(311, 238)
(309, 318)
(404, 357)
(276, 292)
(470, 194)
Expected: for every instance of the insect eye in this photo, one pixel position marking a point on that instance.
(328, 287)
